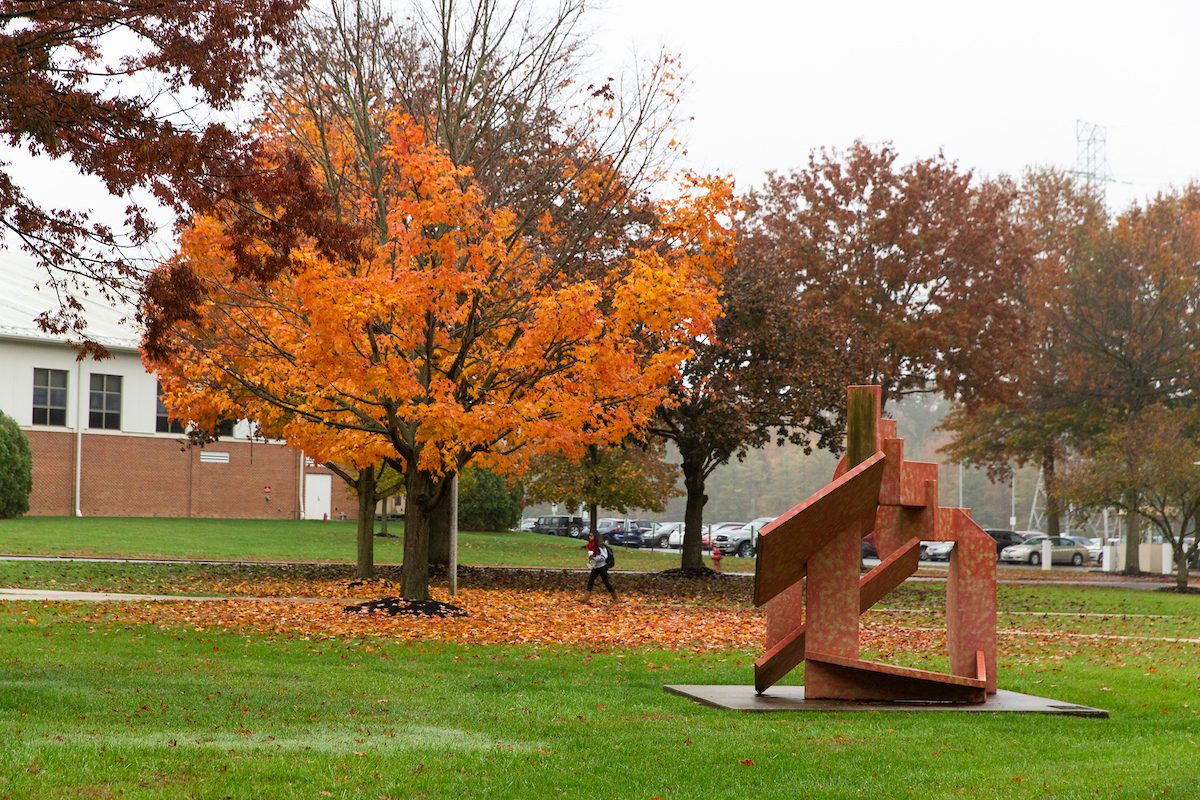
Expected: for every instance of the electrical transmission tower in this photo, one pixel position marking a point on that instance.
(1091, 162)
(1091, 525)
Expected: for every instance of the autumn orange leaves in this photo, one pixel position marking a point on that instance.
(450, 331)
(523, 616)
(453, 335)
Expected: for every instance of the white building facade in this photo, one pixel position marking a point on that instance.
(102, 442)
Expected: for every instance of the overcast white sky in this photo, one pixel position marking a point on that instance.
(996, 86)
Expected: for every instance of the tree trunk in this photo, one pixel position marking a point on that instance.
(421, 488)
(439, 531)
(593, 517)
(1051, 486)
(1191, 551)
(693, 516)
(1181, 570)
(1133, 538)
(365, 485)
(383, 516)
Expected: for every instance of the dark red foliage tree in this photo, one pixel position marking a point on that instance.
(775, 369)
(924, 259)
(121, 90)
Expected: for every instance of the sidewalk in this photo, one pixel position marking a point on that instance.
(119, 597)
(94, 597)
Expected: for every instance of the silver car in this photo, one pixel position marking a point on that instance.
(1064, 551)
(741, 541)
(1092, 545)
(939, 551)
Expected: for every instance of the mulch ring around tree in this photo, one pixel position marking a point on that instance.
(1185, 590)
(394, 606)
(700, 573)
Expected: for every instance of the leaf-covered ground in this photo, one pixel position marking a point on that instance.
(659, 611)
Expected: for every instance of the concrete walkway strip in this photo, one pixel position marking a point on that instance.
(51, 594)
(118, 597)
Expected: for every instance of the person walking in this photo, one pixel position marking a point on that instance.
(598, 560)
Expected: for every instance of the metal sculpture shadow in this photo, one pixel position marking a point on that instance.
(818, 542)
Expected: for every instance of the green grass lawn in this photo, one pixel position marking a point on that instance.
(293, 540)
(104, 701)
(92, 707)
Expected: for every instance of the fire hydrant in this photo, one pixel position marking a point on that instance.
(716, 558)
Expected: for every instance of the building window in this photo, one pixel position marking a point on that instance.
(164, 423)
(104, 403)
(49, 396)
(224, 428)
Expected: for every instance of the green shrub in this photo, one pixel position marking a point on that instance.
(487, 502)
(16, 469)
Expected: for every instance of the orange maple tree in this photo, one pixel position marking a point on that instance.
(443, 335)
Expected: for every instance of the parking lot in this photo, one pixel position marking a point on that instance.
(872, 562)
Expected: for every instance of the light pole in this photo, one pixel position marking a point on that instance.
(1012, 518)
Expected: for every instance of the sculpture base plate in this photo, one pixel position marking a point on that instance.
(791, 698)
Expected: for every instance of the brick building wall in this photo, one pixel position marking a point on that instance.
(149, 476)
(53, 492)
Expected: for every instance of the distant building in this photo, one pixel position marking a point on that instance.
(101, 440)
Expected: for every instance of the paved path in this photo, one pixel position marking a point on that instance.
(51, 594)
(119, 597)
(119, 560)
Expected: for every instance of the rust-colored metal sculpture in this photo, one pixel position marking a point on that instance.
(818, 541)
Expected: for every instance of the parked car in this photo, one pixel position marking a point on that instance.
(1063, 551)
(939, 551)
(654, 535)
(709, 537)
(627, 537)
(528, 523)
(606, 528)
(663, 531)
(724, 526)
(1092, 545)
(1004, 538)
(560, 525)
(676, 538)
(741, 541)
(634, 533)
